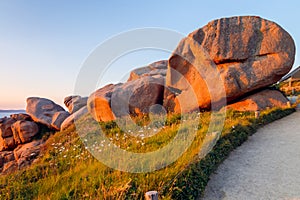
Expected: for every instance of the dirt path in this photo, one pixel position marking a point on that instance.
(267, 166)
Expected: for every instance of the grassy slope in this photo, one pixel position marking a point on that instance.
(66, 170)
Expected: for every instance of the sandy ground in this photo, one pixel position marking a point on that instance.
(266, 166)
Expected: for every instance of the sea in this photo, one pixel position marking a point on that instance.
(7, 113)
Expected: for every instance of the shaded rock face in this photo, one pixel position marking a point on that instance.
(74, 103)
(137, 97)
(158, 68)
(6, 135)
(7, 162)
(25, 154)
(131, 98)
(46, 112)
(76, 115)
(247, 52)
(24, 131)
(260, 101)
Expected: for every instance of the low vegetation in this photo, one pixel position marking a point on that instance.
(67, 170)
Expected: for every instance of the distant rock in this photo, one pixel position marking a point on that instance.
(99, 103)
(26, 153)
(74, 103)
(260, 101)
(5, 157)
(248, 52)
(75, 116)
(46, 112)
(24, 131)
(21, 116)
(153, 69)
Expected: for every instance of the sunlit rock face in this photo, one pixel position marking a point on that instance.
(241, 53)
(260, 101)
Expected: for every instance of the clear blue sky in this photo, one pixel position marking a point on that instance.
(44, 43)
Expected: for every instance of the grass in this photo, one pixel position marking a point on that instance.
(67, 170)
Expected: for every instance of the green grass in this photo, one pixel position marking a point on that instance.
(67, 170)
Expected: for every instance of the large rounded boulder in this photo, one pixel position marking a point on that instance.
(242, 54)
(46, 112)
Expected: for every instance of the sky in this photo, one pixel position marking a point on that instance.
(44, 44)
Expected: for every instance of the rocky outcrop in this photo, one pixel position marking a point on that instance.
(260, 101)
(24, 131)
(242, 54)
(99, 103)
(73, 117)
(74, 103)
(46, 112)
(131, 98)
(158, 68)
(25, 154)
(137, 97)
(6, 135)
(21, 116)
(7, 162)
(14, 134)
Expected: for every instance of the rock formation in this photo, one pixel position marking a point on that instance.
(24, 131)
(260, 101)
(99, 103)
(241, 53)
(153, 69)
(75, 116)
(131, 98)
(46, 112)
(74, 103)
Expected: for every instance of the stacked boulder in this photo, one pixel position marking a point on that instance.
(77, 108)
(229, 61)
(142, 92)
(15, 132)
(19, 134)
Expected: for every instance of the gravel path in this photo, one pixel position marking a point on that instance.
(266, 166)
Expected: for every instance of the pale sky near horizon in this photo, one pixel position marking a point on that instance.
(43, 44)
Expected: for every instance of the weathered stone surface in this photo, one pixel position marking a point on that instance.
(24, 131)
(74, 103)
(9, 167)
(99, 103)
(260, 101)
(136, 97)
(5, 127)
(153, 69)
(25, 154)
(242, 54)
(7, 143)
(131, 98)
(21, 116)
(76, 115)
(46, 112)
(5, 157)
